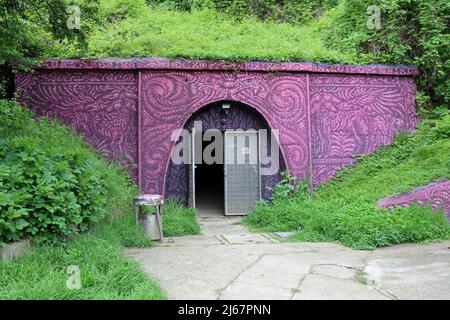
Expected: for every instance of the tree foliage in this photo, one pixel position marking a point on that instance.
(291, 11)
(412, 32)
(29, 29)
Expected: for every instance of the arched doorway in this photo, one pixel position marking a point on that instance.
(210, 179)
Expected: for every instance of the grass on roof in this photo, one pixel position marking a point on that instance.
(205, 34)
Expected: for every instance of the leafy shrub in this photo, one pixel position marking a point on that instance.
(52, 184)
(288, 186)
(345, 210)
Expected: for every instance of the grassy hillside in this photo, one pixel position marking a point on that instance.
(344, 209)
(53, 186)
(104, 272)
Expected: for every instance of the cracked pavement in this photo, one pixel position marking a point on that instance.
(229, 262)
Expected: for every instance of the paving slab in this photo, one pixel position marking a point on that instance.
(275, 271)
(200, 240)
(246, 291)
(412, 271)
(221, 225)
(320, 287)
(245, 238)
(284, 235)
(335, 271)
(229, 262)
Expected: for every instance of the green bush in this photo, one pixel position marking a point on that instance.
(52, 184)
(345, 210)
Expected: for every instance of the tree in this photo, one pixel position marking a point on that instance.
(30, 28)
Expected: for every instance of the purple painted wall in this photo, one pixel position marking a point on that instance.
(436, 194)
(354, 115)
(128, 109)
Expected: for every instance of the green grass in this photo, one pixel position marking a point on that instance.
(344, 210)
(179, 220)
(125, 230)
(147, 31)
(105, 273)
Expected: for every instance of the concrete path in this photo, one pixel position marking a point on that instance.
(229, 262)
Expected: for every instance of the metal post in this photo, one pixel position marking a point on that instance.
(136, 213)
(158, 220)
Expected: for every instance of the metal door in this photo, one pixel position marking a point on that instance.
(192, 170)
(241, 171)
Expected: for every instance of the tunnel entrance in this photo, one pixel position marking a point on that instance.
(216, 189)
(209, 188)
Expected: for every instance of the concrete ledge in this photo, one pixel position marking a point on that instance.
(14, 250)
(218, 65)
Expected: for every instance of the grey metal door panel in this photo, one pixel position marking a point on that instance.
(192, 170)
(242, 171)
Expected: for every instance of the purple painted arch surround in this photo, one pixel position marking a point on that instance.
(325, 113)
(212, 116)
(172, 113)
